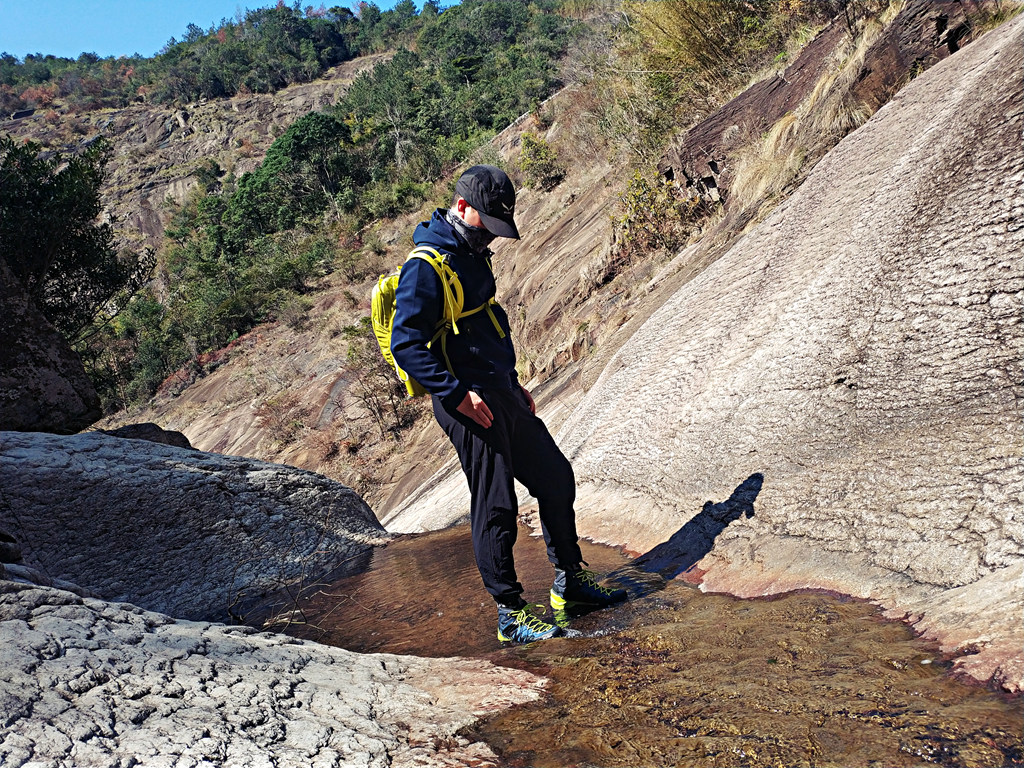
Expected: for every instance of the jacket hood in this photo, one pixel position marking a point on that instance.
(439, 234)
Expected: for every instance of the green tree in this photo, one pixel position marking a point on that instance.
(51, 236)
(301, 173)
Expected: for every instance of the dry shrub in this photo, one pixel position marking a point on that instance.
(790, 147)
(294, 312)
(653, 216)
(323, 444)
(539, 163)
(283, 416)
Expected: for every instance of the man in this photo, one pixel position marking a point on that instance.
(488, 416)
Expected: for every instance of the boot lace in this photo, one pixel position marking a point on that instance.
(590, 579)
(527, 617)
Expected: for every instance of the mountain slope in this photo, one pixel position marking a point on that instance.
(160, 149)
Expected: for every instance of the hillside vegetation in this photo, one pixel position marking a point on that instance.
(259, 51)
(240, 251)
(298, 240)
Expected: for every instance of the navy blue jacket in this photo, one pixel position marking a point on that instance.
(480, 358)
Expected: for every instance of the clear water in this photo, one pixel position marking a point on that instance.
(675, 676)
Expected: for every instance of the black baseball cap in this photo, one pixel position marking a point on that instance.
(489, 190)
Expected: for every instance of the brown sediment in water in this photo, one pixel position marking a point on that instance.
(422, 595)
(710, 680)
(678, 677)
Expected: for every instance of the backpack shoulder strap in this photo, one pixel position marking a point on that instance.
(451, 286)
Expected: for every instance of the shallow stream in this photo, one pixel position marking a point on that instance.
(675, 676)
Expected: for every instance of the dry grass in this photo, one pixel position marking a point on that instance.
(765, 168)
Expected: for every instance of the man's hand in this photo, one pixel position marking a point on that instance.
(529, 399)
(474, 407)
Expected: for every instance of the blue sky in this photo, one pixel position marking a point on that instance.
(117, 27)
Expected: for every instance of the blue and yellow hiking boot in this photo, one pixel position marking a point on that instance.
(522, 625)
(580, 588)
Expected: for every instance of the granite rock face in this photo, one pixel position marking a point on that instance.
(191, 534)
(87, 682)
(43, 386)
(859, 349)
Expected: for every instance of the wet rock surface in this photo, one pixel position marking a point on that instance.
(192, 534)
(860, 350)
(43, 386)
(87, 682)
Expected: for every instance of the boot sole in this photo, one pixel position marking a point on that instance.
(559, 603)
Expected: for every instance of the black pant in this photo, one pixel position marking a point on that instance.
(516, 445)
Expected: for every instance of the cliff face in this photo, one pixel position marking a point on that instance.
(158, 149)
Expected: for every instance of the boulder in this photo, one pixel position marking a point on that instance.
(43, 386)
(88, 682)
(151, 432)
(191, 534)
(860, 350)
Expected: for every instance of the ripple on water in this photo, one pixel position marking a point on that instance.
(678, 677)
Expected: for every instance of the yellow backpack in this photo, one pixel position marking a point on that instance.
(382, 311)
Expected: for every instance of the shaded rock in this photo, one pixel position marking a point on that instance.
(10, 550)
(43, 386)
(861, 349)
(151, 432)
(87, 682)
(23, 574)
(192, 534)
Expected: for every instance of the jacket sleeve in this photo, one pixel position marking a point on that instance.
(418, 308)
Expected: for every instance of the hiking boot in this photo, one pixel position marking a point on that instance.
(522, 625)
(580, 588)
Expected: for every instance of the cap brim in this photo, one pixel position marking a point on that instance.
(499, 227)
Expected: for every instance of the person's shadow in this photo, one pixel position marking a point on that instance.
(690, 543)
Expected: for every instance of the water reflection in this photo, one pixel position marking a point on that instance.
(709, 680)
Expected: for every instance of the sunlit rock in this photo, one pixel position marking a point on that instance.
(860, 349)
(87, 682)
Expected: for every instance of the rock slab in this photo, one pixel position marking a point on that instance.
(195, 535)
(860, 349)
(85, 682)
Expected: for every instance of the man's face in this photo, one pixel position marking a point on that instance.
(469, 214)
